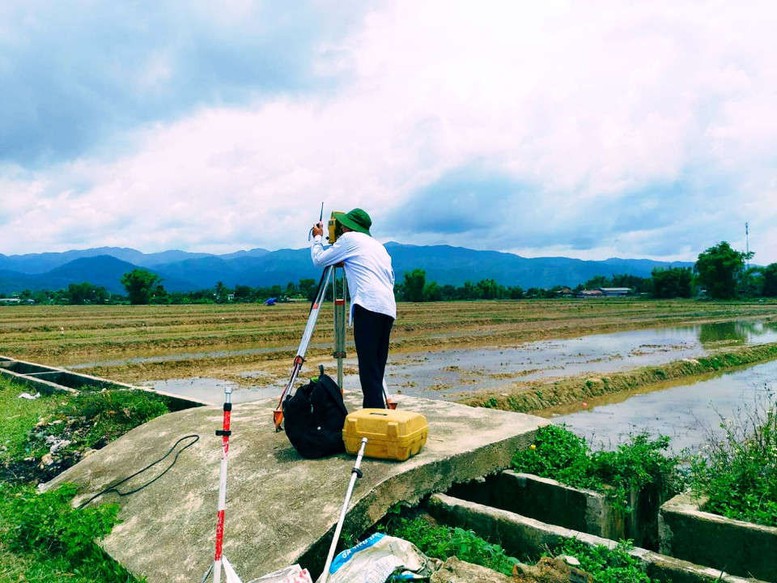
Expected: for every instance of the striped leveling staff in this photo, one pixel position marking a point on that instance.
(224, 433)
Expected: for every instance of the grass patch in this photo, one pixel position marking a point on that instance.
(440, 542)
(42, 537)
(19, 416)
(606, 565)
(45, 539)
(50, 434)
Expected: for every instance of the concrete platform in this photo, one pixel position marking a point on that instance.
(281, 509)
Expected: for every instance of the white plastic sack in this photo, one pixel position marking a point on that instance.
(376, 559)
(293, 574)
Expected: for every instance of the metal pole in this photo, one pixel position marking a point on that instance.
(224, 433)
(355, 473)
(338, 293)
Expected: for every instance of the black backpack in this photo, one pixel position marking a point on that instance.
(314, 416)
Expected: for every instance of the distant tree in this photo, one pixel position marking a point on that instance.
(142, 286)
(751, 282)
(308, 288)
(637, 284)
(515, 292)
(719, 269)
(770, 280)
(449, 293)
(413, 285)
(432, 292)
(674, 282)
(490, 289)
(596, 282)
(221, 293)
(86, 293)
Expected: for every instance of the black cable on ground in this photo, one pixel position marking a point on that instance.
(113, 488)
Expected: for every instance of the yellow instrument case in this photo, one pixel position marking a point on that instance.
(391, 434)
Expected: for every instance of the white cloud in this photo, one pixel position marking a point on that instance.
(639, 129)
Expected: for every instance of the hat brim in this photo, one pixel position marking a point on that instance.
(347, 222)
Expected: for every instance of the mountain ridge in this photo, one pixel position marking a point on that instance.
(186, 271)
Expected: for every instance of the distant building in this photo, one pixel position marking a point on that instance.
(615, 291)
(590, 293)
(10, 301)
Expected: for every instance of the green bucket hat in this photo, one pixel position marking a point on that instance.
(356, 220)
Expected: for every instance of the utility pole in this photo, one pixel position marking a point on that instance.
(747, 244)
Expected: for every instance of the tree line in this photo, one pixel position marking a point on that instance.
(720, 272)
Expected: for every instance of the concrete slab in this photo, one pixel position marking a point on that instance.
(281, 509)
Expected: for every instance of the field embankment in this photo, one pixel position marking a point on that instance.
(544, 398)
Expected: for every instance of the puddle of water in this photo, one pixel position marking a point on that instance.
(688, 414)
(211, 390)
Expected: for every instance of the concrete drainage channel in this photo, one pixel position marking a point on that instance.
(49, 379)
(526, 514)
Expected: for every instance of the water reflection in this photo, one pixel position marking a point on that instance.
(688, 414)
(448, 374)
(739, 332)
(451, 373)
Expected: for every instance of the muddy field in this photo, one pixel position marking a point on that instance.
(252, 345)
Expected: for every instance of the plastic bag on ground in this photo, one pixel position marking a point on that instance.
(378, 559)
(293, 574)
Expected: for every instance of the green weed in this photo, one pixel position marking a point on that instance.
(606, 565)
(738, 472)
(50, 540)
(559, 454)
(441, 542)
(85, 421)
(19, 415)
(42, 537)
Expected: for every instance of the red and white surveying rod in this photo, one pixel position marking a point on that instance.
(224, 433)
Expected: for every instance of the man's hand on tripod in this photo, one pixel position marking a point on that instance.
(318, 229)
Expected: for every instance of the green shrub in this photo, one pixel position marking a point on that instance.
(58, 538)
(559, 454)
(606, 565)
(441, 542)
(738, 473)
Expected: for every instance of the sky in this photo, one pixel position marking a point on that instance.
(635, 129)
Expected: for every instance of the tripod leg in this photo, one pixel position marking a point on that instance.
(315, 308)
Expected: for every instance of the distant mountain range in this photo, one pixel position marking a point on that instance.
(183, 271)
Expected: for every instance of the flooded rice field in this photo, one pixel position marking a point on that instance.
(688, 414)
(449, 374)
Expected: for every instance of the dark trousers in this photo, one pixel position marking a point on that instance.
(371, 332)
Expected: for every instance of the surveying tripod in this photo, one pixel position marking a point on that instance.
(337, 274)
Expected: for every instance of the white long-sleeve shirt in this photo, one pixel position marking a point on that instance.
(368, 270)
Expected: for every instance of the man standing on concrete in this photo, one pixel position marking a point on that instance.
(370, 279)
